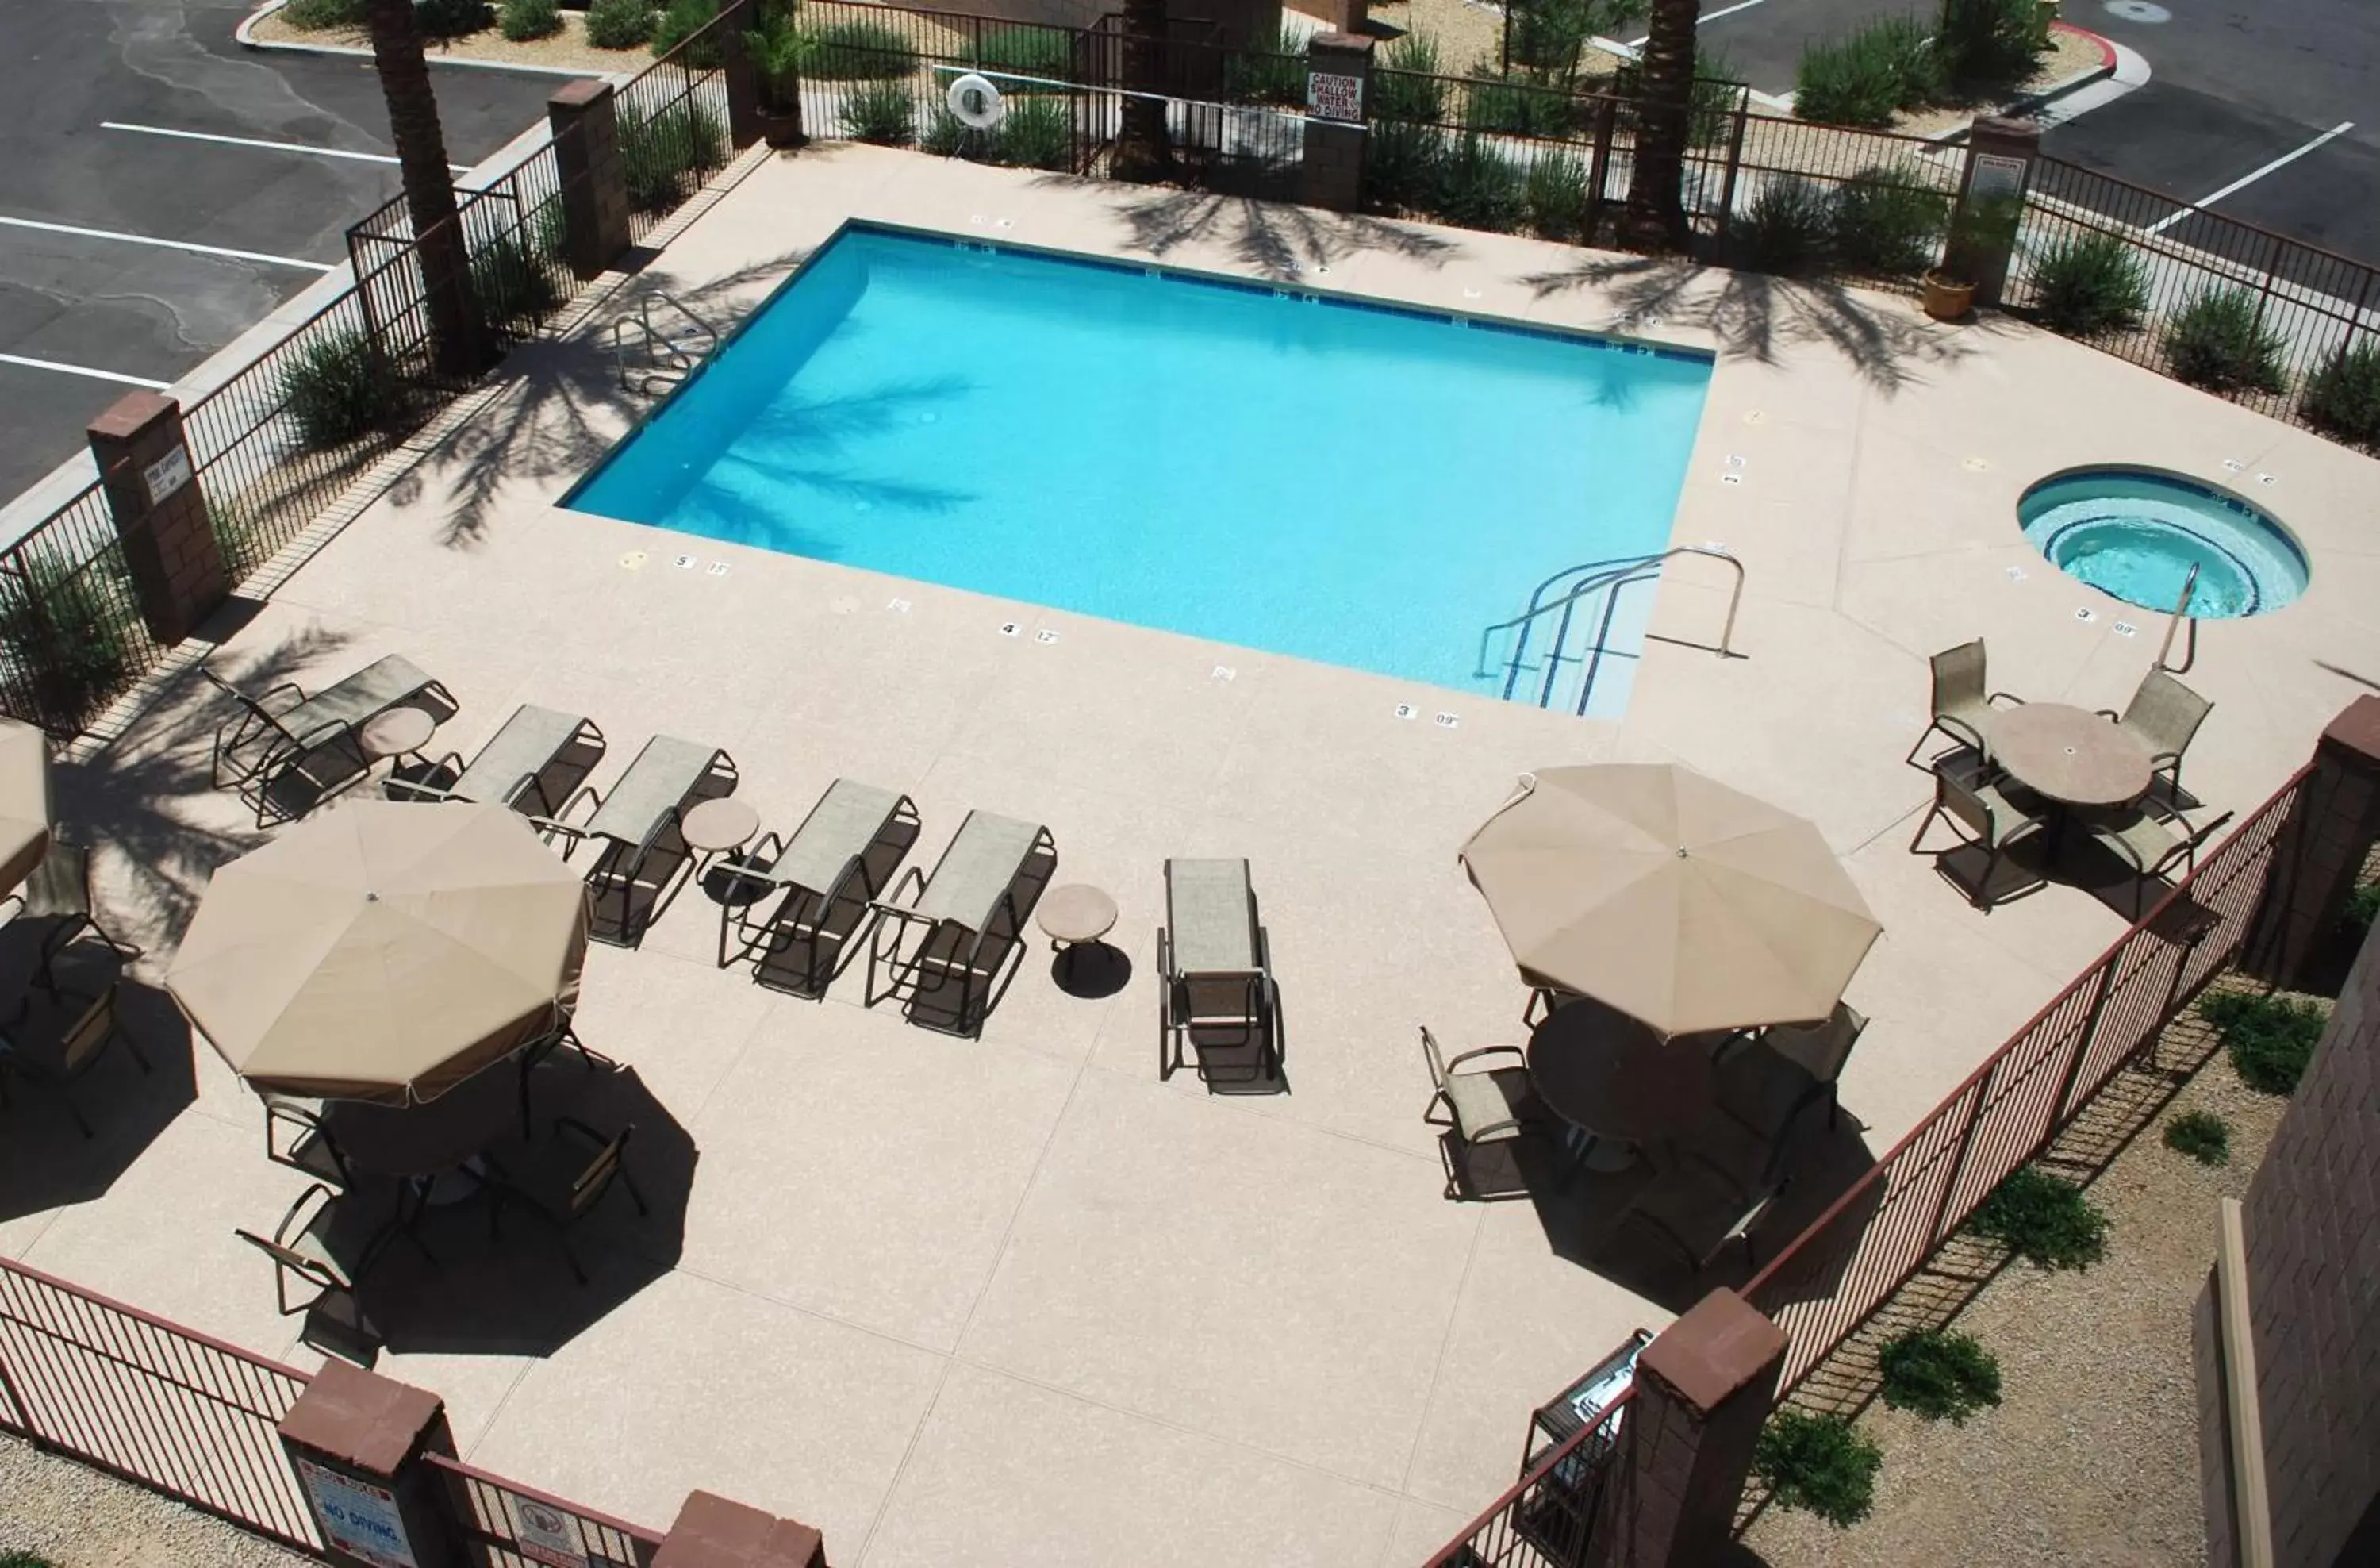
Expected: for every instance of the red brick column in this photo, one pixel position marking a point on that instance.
(1332, 171)
(356, 1440)
(713, 1532)
(1703, 1389)
(161, 514)
(741, 78)
(2000, 155)
(594, 181)
(2321, 850)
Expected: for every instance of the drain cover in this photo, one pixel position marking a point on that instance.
(2138, 11)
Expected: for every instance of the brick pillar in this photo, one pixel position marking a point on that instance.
(594, 181)
(711, 1532)
(2321, 850)
(1703, 1389)
(741, 77)
(356, 1440)
(2000, 153)
(1338, 98)
(161, 514)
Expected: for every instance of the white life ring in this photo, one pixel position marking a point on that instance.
(974, 103)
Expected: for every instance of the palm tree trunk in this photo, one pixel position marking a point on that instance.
(1143, 149)
(428, 186)
(1665, 86)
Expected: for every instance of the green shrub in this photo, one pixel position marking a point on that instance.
(1043, 54)
(1405, 86)
(1482, 188)
(947, 136)
(2362, 907)
(1939, 1376)
(2042, 1217)
(523, 20)
(1404, 166)
(1984, 48)
(67, 647)
(1867, 78)
(857, 51)
(2271, 1038)
(1549, 36)
(2090, 283)
(1522, 108)
(1787, 229)
(2219, 341)
(1819, 1463)
(451, 19)
(1271, 70)
(512, 284)
(1887, 220)
(884, 113)
(334, 388)
(680, 20)
(1036, 133)
(661, 153)
(314, 16)
(1717, 94)
(2342, 400)
(24, 1559)
(2202, 1135)
(1556, 196)
(619, 24)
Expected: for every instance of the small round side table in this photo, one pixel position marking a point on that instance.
(395, 736)
(1075, 916)
(716, 827)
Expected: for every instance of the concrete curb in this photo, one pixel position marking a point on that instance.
(2033, 102)
(245, 36)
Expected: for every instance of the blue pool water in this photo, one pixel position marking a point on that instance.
(2136, 535)
(1333, 480)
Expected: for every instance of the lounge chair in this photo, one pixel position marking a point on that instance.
(58, 892)
(638, 824)
(1768, 1082)
(1214, 970)
(2162, 716)
(562, 1180)
(958, 935)
(1484, 1103)
(59, 1059)
(282, 734)
(1961, 708)
(532, 764)
(1999, 816)
(824, 865)
(2150, 844)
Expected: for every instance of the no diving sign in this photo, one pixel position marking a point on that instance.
(1329, 96)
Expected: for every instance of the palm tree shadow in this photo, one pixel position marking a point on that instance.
(1282, 241)
(1755, 316)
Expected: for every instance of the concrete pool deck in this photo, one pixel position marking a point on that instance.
(987, 1303)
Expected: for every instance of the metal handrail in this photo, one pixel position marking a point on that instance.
(1614, 575)
(2182, 611)
(663, 354)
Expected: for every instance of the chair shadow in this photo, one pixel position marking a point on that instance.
(512, 1293)
(46, 1161)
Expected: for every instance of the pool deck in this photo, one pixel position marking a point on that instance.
(1016, 1301)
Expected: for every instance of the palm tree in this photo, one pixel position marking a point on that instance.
(1665, 87)
(1143, 149)
(428, 186)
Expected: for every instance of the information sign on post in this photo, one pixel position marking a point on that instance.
(548, 1535)
(1329, 96)
(357, 1517)
(1995, 175)
(166, 475)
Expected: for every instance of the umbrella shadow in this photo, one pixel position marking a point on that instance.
(45, 1161)
(476, 1288)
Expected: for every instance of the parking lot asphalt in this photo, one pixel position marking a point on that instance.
(88, 305)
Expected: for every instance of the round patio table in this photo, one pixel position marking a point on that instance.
(1075, 916)
(1617, 1080)
(395, 736)
(2070, 754)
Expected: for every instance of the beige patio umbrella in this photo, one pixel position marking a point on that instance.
(383, 950)
(24, 801)
(1675, 899)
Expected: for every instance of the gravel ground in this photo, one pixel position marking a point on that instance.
(2091, 1459)
(78, 1518)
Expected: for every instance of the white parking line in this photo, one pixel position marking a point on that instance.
(2341, 129)
(256, 141)
(1705, 16)
(60, 365)
(171, 244)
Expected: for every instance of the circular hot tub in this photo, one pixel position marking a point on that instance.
(2135, 534)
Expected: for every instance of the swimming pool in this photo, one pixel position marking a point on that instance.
(1327, 479)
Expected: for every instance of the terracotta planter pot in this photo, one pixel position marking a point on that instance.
(781, 127)
(1947, 299)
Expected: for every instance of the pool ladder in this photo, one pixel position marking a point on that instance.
(655, 358)
(1562, 597)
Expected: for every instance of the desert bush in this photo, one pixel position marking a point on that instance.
(1555, 197)
(1036, 133)
(451, 19)
(314, 16)
(2342, 400)
(1482, 188)
(1404, 166)
(334, 388)
(1404, 87)
(619, 24)
(2271, 1038)
(680, 20)
(523, 20)
(2090, 283)
(512, 284)
(2362, 907)
(67, 643)
(884, 113)
(2045, 1219)
(1716, 92)
(1819, 1463)
(1043, 53)
(2202, 1135)
(1887, 220)
(1985, 48)
(1271, 70)
(1867, 76)
(1520, 108)
(2219, 341)
(1787, 229)
(1939, 1376)
(857, 51)
(660, 151)
(1549, 36)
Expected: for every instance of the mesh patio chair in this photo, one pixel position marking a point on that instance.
(1696, 1205)
(2151, 845)
(283, 735)
(824, 866)
(295, 1136)
(58, 1061)
(533, 764)
(1488, 1098)
(2163, 716)
(1767, 1083)
(1214, 968)
(1961, 707)
(957, 936)
(564, 1036)
(644, 851)
(1996, 816)
(302, 1251)
(58, 892)
(563, 1180)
